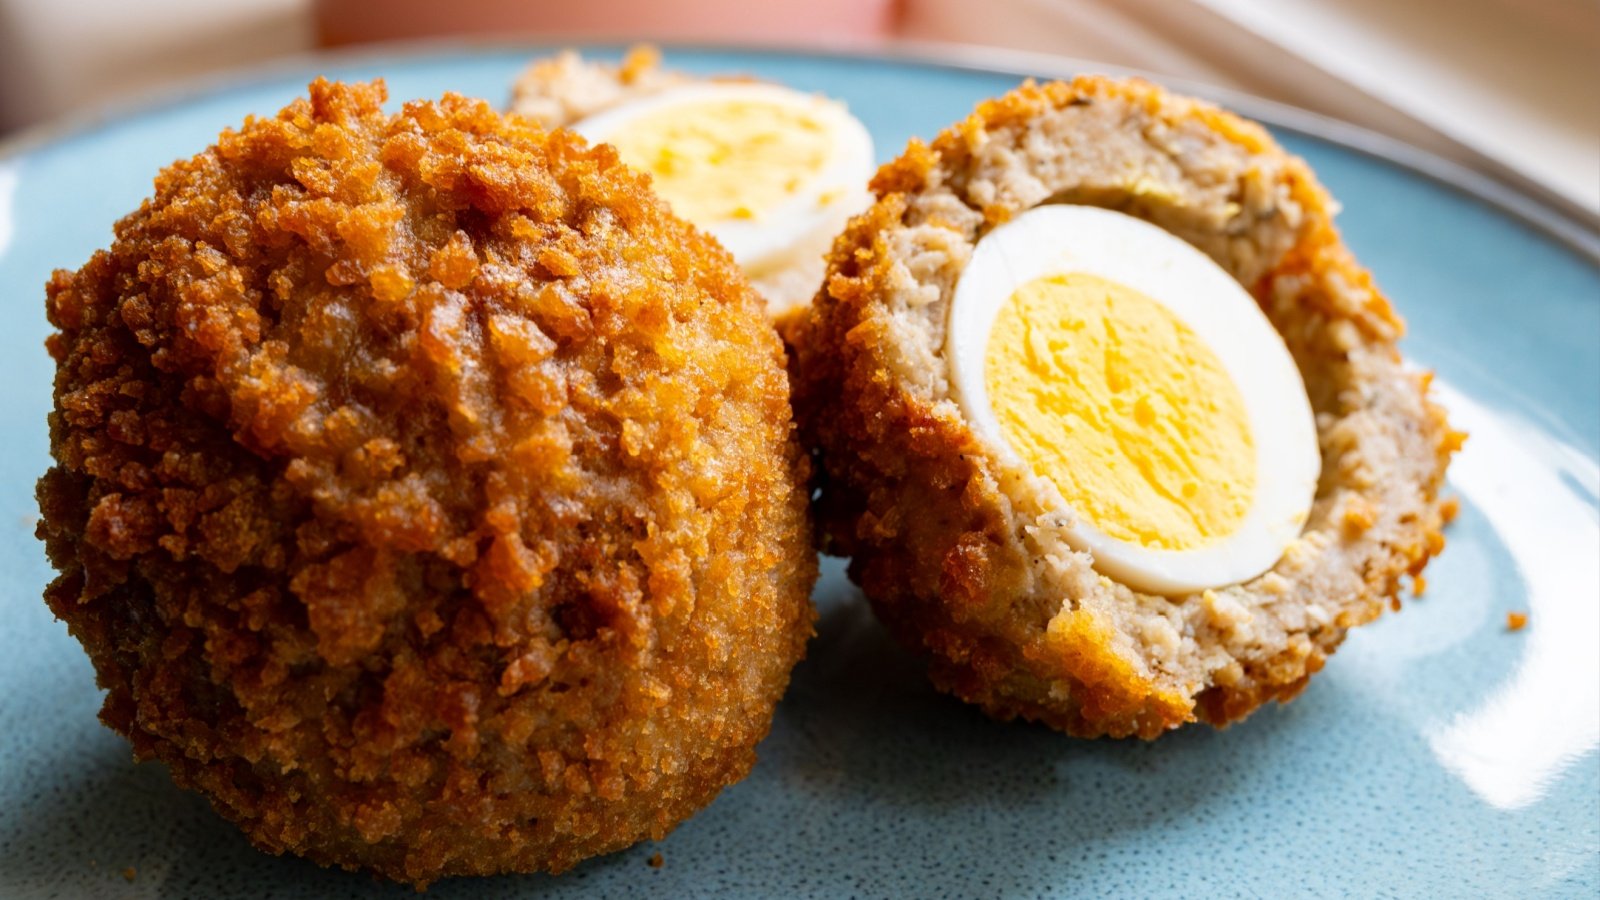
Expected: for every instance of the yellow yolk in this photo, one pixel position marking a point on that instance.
(1106, 393)
(726, 159)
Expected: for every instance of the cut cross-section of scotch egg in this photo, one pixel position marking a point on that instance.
(1112, 425)
(771, 172)
(1144, 386)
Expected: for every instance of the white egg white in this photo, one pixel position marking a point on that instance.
(1063, 239)
(774, 238)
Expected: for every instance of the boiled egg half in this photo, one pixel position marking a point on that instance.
(771, 172)
(1144, 388)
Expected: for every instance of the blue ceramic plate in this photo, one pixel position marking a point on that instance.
(1438, 754)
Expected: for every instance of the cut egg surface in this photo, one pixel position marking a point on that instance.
(772, 173)
(1143, 388)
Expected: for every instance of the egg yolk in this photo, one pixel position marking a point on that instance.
(717, 160)
(1106, 393)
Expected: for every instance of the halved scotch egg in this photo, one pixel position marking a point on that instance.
(1113, 428)
(772, 173)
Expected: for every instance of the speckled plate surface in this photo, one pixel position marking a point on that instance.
(1439, 754)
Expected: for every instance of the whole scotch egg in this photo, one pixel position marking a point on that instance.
(425, 493)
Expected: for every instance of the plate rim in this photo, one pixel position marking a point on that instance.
(1557, 218)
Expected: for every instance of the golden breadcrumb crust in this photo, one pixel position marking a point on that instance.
(963, 557)
(425, 494)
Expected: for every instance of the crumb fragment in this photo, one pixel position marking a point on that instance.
(1449, 509)
(656, 861)
(642, 60)
(130, 873)
(1359, 514)
(1516, 621)
(1419, 586)
(1224, 611)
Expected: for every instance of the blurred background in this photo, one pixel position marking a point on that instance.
(1509, 87)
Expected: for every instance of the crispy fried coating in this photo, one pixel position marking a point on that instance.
(965, 559)
(426, 495)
